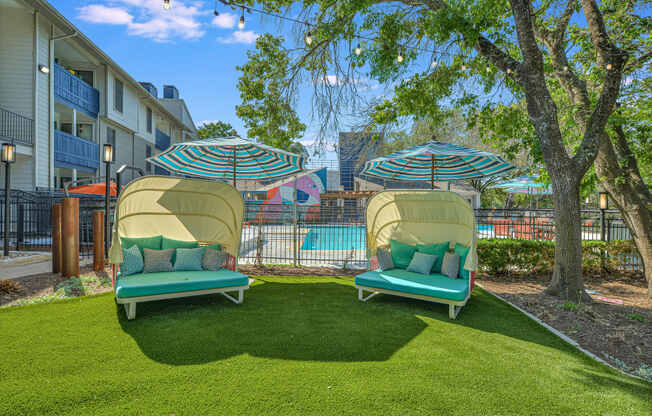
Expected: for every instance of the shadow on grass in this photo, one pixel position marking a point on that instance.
(295, 321)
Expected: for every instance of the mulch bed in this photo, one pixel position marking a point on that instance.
(616, 333)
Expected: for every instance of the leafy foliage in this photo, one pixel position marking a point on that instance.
(267, 109)
(216, 129)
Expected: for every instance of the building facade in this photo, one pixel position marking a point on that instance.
(62, 99)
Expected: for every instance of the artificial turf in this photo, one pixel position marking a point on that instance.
(298, 346)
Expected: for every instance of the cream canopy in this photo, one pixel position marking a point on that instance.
(182, 209)
(421, 217)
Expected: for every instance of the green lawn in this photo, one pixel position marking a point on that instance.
(298, 346)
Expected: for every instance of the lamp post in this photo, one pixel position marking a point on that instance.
(8, 156)
(604, 205)
(108, 159)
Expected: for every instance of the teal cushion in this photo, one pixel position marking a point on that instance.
(188, 259)
(401, 253)
(132, 261)
(153, 243)
(422, 263)
(433, 285)
(463, 251)
(435, 249)
(174, 282)
(170, 243)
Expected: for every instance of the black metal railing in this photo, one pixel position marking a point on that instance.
(14, 127)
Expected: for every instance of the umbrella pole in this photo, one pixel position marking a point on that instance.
(294, 229)
(234, 159)
(432, 171)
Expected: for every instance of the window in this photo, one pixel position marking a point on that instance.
(86, 76)
(118, 92)
(148, 154)
(110, 139)
(149, 120)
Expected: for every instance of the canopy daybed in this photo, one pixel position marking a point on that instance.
(187, 211)
(420, 218)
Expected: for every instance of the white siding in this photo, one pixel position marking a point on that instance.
(21, 173)
(130, 108)
(16, 60)
(42, 119)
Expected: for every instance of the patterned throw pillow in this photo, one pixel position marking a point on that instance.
(157, 260)
(132, 261)
(463, 251)
(213, 260)
(188, 259)
(422, 263)
(437, 250)
(384, 259)
(451, 265)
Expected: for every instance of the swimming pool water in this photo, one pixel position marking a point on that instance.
(335, 237)
(346, 237)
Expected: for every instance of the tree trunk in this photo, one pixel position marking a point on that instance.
(567, 281)
(632, 207)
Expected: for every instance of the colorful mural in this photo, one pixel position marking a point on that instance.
(278, 201)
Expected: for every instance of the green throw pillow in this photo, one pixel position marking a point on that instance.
(152, 243)
(422, 263)
(438, 250)
(189, 259)
(132, 261)
(170, 243)
(401, 253)
(463, 251)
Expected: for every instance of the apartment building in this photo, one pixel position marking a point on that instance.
(62, 98)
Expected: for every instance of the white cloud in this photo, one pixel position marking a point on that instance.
(240, 36)
(224, 20)
(148, 19)
(97, 13)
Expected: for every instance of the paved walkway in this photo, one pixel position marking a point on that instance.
(20, 270)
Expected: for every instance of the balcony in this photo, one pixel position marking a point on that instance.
(75, 93)
(162, 140)
(75, 153)
(17, 128)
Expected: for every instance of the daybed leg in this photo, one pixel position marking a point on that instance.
(361, 295)
(453, 311)
(234, 300)
(130, 310)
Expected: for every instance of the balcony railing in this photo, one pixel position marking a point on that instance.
(162, 140)
(75, 153)
(72, 91)
(14, 127)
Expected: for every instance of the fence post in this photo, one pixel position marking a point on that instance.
(20, 226)
(57, 254)
(70, 237)
(294, 230)
(98, 240)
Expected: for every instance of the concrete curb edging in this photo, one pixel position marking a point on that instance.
(560, 334)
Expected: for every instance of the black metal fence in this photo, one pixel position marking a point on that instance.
(30, 227)
(330, 234)
(15, 127)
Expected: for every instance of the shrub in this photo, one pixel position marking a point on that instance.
(500, 256)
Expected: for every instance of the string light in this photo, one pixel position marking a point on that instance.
(241, 23)
(308, 38)
(358, 50)
(463, 67)
(434, 63)
(399, 58)
(166, 4)
(488, 69)
(509, 71)
(565, 68)
(609, 67)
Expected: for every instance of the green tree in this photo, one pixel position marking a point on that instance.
(496, 44)
(267, 109)
(216, 129)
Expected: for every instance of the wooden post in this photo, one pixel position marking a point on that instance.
(70, 237)
(57, 212)
(98, 240)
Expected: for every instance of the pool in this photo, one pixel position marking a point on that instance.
(335, 237)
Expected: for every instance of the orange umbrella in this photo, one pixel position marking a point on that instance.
(94, 189)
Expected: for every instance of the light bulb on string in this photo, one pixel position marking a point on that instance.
(241, 23)
(434, 64)
(488, 69)
(609, 66)
(166, 4)
(399, 58)
(358, 50)
(308, 38)
(463, 67)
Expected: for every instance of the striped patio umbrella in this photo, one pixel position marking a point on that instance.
(229, 158)
(525, 185)
(436, 161)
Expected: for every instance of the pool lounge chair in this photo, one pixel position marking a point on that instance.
(419, 217)
(188, 211)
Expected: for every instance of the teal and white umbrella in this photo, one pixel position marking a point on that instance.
(525, 185)
(229, 158)
(436, 161)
